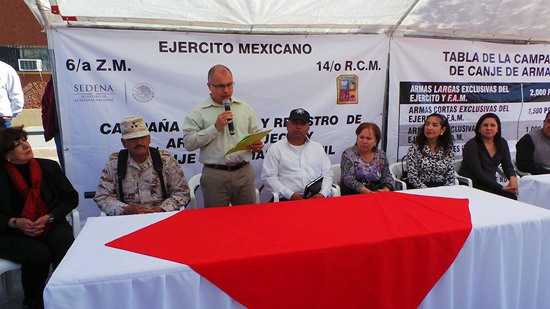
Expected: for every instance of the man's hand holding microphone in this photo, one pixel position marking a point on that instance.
(226, 119)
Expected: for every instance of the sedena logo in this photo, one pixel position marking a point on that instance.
(93, 88)
(93, 93)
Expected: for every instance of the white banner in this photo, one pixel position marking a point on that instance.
(105, 75)
(463, 80)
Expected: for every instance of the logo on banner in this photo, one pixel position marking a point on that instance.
(143, 92)
(93, 93)
(347, 89)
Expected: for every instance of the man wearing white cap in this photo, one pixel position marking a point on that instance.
(140, 179)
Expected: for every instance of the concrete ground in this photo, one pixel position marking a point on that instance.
(40, 147)
(15, 298)
(31, 119)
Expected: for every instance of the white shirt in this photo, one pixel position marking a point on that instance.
(287, 170)
(11, 93)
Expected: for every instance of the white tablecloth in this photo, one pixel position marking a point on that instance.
(535, 190)
(505, 263)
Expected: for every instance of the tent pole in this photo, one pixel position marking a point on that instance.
(411, 7)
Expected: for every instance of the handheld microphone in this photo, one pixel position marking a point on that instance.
(227, 107)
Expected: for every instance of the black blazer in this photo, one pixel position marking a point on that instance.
(478, 165)
(56, 191)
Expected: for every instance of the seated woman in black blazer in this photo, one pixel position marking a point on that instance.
(36, 197)
(482, 155)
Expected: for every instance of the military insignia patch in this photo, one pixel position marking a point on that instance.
(346, 86)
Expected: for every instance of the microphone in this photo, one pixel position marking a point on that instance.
(226, 105)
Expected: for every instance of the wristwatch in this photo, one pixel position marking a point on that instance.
(51, 218)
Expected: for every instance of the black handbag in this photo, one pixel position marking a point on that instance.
(375, 185)
(405, 174)
(371, 185)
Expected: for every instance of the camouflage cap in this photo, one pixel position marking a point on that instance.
(132, 127)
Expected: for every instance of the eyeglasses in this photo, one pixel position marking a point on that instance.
(222, 86)
(19, 141)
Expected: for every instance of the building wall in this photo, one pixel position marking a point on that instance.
(19, 26)
(20, 29)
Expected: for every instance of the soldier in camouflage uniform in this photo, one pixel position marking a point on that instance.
(141, 186)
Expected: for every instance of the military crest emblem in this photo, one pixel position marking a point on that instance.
(347, 92)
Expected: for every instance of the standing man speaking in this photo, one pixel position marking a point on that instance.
(214, 127)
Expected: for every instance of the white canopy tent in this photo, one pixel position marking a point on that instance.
(360, 32)
(523, 21)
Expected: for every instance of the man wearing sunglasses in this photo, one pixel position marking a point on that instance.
(226, 179)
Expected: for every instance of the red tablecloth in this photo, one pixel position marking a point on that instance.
(380, 250)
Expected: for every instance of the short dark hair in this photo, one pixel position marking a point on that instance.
(8, 138)
(498, 136)
(373, 127)
(215, 68)
(547, 114)
(444, 141)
